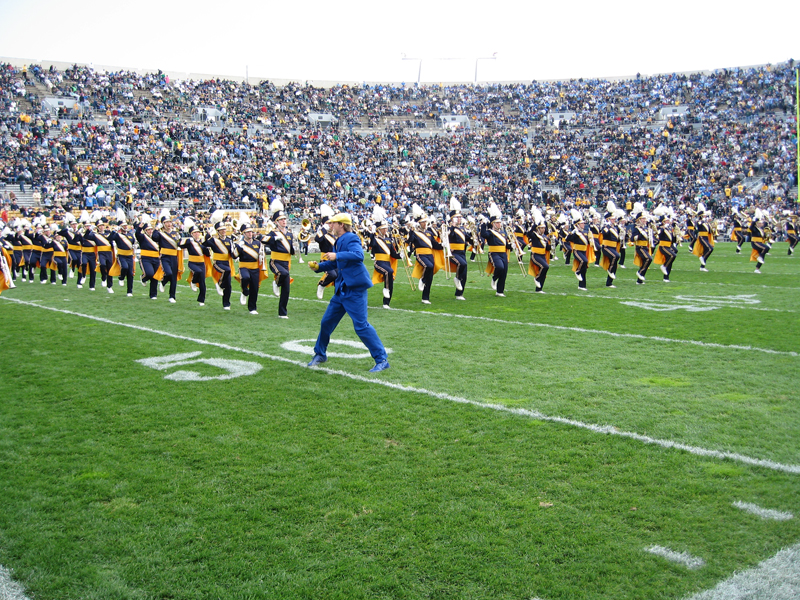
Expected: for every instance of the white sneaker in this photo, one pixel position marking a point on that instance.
(579, 276)
(460, 298)
(757, 271)
(702, 262)
(426, 301)
(386, 293)
(612, 275)
(130, 295)
(538, 285)
(499, 295)
(421, 286)
(283, 316)
(193, 286)
(172, 301)
(253, 312)
(666, 281)
(275, 289)
(91, 289)
(80, 287)
(301, 260)
(459, 287)
(621, 266)
(220, 291)
(611, 286)
(43, 282)
(664, 270)
(160, 287)
(704, 270)
(71, 274)
(121, 282)
(226, 308)
(110, 290)
(387, 306)
(242, 299)
(494, 284)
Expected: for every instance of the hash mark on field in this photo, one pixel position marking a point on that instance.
(681, 558)
(764, 513)
(533, 414)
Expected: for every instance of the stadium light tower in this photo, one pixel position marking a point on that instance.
(419, 71)
(492, 57)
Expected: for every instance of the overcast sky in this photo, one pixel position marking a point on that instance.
(355, 40)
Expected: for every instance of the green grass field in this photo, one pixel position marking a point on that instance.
(534, 446)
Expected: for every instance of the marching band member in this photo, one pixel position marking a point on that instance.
(199, 263)
(582, 248)
(540, 249)
(499, 248)
(150, 256)
(458, 239)
(103, 253)
(223, 269)
(304, 237)
(519, 229)
(15, 252)
(737, 231)
(171, 256)
(46, 257)
(667, 249)
(72, 236)
(88, 257)
(123, 240)
(59, 259)
(609, 241)
(281, 242)
(704, 243)
(249, 251)
(385, 252)
(26, 246)
(37, 241)
(325, 241)
(594, 234)
(758, 239)
(642, 240)
(425, 245)
(791, 233)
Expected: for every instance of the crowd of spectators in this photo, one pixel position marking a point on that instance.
(131, 140)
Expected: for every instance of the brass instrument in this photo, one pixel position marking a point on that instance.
(404, 258)
(517, 249)
(477, 246)
(304, 235)
(445, 240)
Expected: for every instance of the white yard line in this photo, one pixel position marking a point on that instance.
(777, 578)
(10, 589)
(533, 414)
(764, 513)
(682, 558)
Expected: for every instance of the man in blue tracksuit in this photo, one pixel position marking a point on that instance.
(350, 296)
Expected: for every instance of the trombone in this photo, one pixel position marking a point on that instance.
(477, 246)
(401, 248)
(517, 249)
(445, 239)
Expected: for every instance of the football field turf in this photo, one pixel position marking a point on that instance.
(628, 443)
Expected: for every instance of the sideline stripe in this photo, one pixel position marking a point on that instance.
(777, 578)
(523, 412)
(681, 558)
(764, 513)
(634, 336)
(10, 589)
